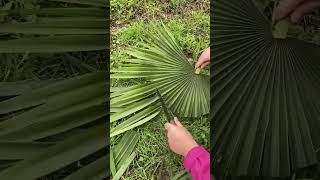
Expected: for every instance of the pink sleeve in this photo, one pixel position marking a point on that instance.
(197, 162)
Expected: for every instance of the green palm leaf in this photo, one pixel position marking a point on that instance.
(55, 26)
(57, 156)
(96, 170)
(45, 113)
(53, 12)
(57, 29)
(47, 126)
(266, 110)
(54, 44)
(163, 65)
(123, 154)
(99, 3)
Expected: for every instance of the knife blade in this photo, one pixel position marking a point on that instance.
(167, 111)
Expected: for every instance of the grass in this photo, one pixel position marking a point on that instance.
(155, 158)
(190, 24)
(15, 67)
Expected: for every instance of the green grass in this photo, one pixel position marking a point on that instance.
(155, 159)
(15, 67)
(190, 24)
(124, 11)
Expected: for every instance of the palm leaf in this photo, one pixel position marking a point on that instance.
(123, 154)
(57, 156)
(99, 3)
(46, 126)
(18, 88)
(54, 44)
(182, 175)
(56, 26)
(266, 100)
(57, 29)
(45, 113)
(96, 170)
(79, 12)
(162, 64)
(20, 150)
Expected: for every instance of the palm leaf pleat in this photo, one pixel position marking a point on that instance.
(161, 64)
(80, 27)
(265, 95)
(122, 154)
(49, 127)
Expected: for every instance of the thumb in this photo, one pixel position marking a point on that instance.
(168, 126)
(198, 64)
(177, 122)
(286, 7)
(305, 8)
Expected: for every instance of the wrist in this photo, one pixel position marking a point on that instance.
(189, 148)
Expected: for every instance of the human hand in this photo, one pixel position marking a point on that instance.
(179, 138)
(296, 9)
(204, 59)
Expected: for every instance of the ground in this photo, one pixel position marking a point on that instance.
(189, 21)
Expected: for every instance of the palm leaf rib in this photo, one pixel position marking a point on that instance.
(163, 65)
(58, 29)
(46, 127)
(59, 109)
(266, 103)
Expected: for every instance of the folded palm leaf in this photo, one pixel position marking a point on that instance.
(266, 95)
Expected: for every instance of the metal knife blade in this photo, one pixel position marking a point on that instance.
(165, 108)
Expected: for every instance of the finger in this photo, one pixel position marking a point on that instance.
(168, 126)
(205, 64)
(200, 61)
(177, 122)
(304, 9)
(286, 7)
(205, 56)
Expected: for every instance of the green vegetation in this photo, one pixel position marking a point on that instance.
(188, 21)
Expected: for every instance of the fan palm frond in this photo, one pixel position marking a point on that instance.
(122, 154)
(163, 66)
(266, 102)
(98, 3)
(57, 29)
(34, 117)
(48, 126)
(182, 175)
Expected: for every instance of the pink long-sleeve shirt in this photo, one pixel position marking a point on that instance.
(197, 162)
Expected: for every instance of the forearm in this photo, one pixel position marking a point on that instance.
(197, 162)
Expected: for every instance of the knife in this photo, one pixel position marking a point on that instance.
(167, 111)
